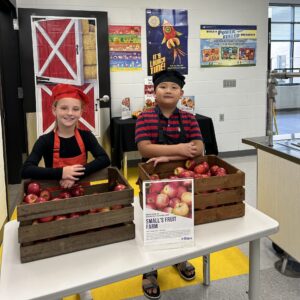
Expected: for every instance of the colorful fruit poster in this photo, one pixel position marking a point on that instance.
(167, 40)
(168, 213)
(187, 103)
(227, 46)
(125, 48)
(149, 93)
(125, 109)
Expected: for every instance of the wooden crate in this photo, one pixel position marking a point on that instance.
(42, 240)
(210, 205)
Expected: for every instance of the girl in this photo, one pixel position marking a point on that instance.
(64, 149)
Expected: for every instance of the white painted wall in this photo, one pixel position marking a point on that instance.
(244, 107)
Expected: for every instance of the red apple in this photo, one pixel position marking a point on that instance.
(173, 177)
(156, 187)
(181, 209)
(200, 169)
(65, 195)
(104, 209)
(190, 164)
(168, 210)
(31, 198)
(187, 174)
(169, 190)
(173, 202)
(45, 193)
(154, 177)
(60, 217)
(77, 191)
(74, 215)
(187, 183)
(40, 200)
(219, 189)
(93, 211)
(180, 190)
(45, 219)
(34, 188)
(213, 169)
(206, 165)
(151, 198)
(187, 198)
(221, 170)
(162, 201)
(56, 198)
(120, 187)
(116, 206)
(178, 170)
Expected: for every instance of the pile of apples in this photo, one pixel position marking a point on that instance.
(35, 194)
(194, 170)
(172, 197)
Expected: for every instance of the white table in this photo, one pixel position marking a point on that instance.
(75, 272)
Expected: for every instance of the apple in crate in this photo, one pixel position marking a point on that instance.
(187, 198)
(162, 201)
(181, 209)
(65, 195)
(45, 219)
(74, 215)
(156, 187)
(116, 206)
(154, 177)
(206, 166)
(77, 191)
(178, 171)
(103, 209)
(34, 188)
(119, 187)
(190, 164)
(200, 169)
(46, 194)
(60, 217)
(31, 198)
(221, 171)
(213, 169)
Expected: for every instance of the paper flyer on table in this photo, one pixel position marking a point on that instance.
(168, 213)
(126, 111)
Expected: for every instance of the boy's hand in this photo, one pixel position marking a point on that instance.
(66, 183)
(188, 149)
(72, 172)
(158, 160)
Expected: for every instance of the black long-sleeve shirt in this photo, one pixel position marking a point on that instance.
(43, 148)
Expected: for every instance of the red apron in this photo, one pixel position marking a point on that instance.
(59, 162)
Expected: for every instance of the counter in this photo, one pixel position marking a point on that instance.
(278, 188)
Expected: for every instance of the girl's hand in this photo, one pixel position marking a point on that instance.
(72, 172)
(158, 160)
(66, 183)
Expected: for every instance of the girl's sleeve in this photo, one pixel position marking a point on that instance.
(30, 167)
(101, 159)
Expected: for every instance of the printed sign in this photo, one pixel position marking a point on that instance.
(168, 213)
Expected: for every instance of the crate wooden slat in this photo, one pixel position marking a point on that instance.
(77, 242)
(72, 234)
(215, 205)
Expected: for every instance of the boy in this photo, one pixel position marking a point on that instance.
(163, 134)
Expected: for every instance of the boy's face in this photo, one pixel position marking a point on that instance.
(167, 94)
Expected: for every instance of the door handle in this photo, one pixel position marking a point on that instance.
(103, 99)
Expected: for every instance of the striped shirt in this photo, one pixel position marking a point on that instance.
(147, 125)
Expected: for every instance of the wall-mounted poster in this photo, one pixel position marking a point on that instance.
(167, 36)
(125, 48)
(227, 45)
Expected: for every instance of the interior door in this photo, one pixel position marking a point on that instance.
(57, 46)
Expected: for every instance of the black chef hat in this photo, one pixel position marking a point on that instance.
(168, 76)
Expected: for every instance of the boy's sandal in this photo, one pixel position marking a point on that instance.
(186, 270)
(150, 283)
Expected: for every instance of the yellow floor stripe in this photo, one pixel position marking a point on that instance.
(226, 263)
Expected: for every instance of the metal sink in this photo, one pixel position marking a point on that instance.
(294, 143)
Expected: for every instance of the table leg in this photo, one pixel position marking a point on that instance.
(125, 164)
(206, 269)
(254, 272)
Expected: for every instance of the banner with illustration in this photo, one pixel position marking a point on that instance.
(167, 40)
(168, 213)
(125, 48)
(227, 45)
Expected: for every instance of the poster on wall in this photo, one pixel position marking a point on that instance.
(125, 48)
(167, 40)
(65, 51)
(168, 213)
(227, 46)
